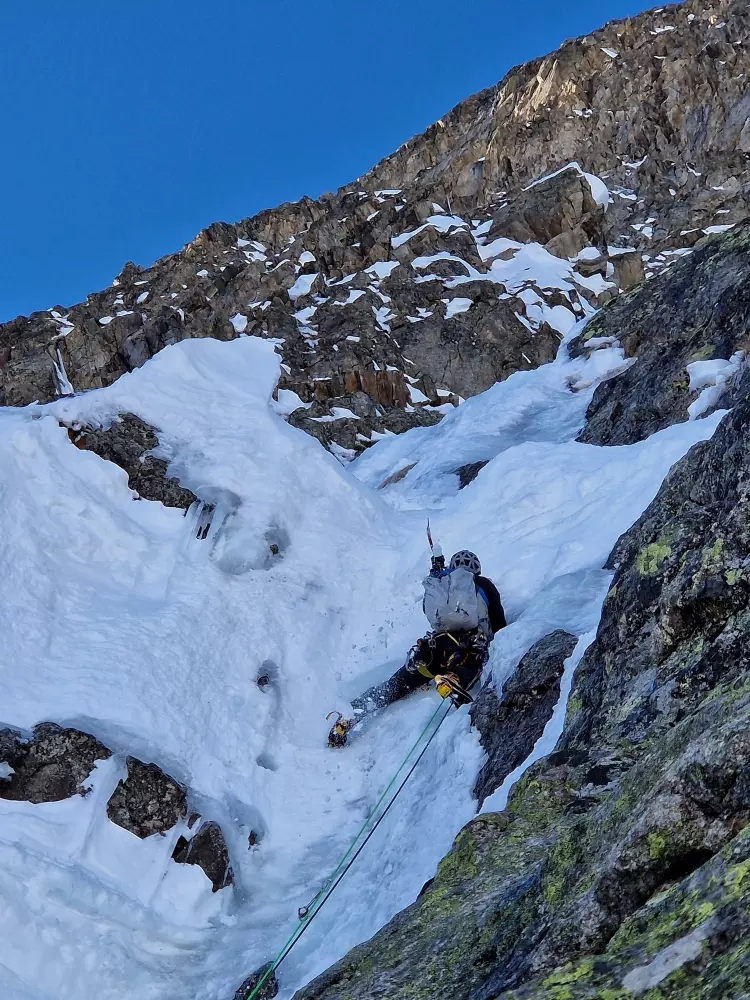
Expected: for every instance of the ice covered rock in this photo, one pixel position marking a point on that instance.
(13, 749)
(129, 443)
(207, 849)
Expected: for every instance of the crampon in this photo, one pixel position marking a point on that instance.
(339, 730)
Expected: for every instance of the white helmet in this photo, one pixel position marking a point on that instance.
(466, 560)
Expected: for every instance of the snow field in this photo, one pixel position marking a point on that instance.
(119, 621)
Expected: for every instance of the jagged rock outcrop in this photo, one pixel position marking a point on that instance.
(268, 990)
(53, 763)
(414, 285)
(620, 862)
(50, 766)
(699, 311)
(207, 849)
(147, 801)
(656, 101)
(128, 442)
(510, 725)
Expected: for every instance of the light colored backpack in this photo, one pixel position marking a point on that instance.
(450, 601)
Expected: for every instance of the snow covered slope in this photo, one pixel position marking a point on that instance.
(118, 621)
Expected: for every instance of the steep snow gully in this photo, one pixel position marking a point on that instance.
(116, 619)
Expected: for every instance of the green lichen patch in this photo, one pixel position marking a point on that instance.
(651, 558)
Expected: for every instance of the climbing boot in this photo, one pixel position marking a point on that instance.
(339, 730)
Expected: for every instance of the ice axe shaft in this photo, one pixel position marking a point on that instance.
(438, 561)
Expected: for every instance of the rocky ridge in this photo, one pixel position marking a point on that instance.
(510, 725)
(453, 262)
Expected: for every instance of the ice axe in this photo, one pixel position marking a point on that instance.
(438, 559)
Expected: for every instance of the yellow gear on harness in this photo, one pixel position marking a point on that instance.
(443, 686)
(339, 730)
(449, 686)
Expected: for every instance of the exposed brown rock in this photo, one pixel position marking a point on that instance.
(147, 801)
(51, 766)
(128, 442)
(208, 850)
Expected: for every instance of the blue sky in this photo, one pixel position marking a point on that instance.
(128, 127)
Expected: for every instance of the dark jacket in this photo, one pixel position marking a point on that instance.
(495, 606)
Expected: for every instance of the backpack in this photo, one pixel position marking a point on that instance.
(450, 601)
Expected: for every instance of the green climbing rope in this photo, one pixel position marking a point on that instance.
(307, 913)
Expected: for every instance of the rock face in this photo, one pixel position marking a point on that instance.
(656, 101)
(268, 991)
(208, 850)
(51, 766)
(510, 725)
(461, 258)
(147, 801)
(698, 311)
(618, 867)
(54, 763)
(128, 443)
(468, 473)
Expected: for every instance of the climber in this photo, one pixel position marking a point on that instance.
(465, 612)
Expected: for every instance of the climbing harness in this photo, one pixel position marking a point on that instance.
(308, 913)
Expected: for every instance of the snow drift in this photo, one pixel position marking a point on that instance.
(119, 621)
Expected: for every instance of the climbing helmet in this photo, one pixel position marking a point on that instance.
(466, 560)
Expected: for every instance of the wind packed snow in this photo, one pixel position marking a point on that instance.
(382, 269)
(302, 286)
(288, 401)
(239, 322)
(711, 378)
(455, 306)
(442, 223)
(117, 620)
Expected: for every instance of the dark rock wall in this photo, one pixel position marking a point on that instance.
(699, 311)
(510, 725)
